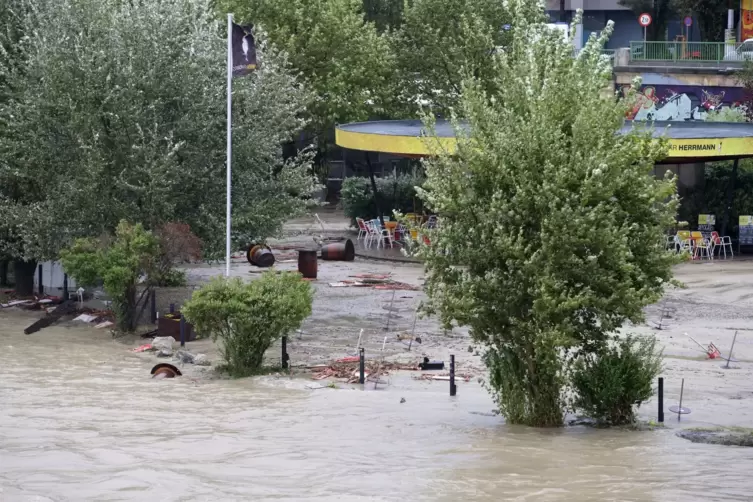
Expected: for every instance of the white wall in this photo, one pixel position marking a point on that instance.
(52, 277)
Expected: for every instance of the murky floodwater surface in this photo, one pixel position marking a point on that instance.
(80, 419)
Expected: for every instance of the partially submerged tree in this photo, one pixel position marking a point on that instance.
(551, 224)
(120, 264)
(246, 318)
(116, 110)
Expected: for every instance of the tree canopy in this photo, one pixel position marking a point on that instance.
(116, 111)
(551, 224)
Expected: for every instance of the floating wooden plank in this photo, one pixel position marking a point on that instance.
(62, 310)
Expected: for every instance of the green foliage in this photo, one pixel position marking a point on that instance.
(551, 224)
(341, 57)
(117, 112)
(610, 382)
(119, 264)
(385, 14)
(248, 317)
(443, 41)
(395, 193)
(711, 16)
(711, 197)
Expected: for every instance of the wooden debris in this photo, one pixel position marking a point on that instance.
(61, 310)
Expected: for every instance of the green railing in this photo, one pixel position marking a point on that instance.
(712, 52)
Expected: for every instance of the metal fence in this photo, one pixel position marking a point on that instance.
(710, 52)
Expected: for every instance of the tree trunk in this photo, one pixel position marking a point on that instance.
(23, 272)
(4, 272)
(730, 197)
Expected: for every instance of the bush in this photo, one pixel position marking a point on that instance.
(608, 383)
(119, 264)
(394, 193)
(249, 317)
(177, 244)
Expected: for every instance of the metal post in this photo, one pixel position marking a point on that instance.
(285, 352)
(453, 389)
(361, 365)
(229, 140)
(182, 331)
(660, 417)
(679, 409)
(41, 287)
(730, 350)
(153, 306)
(65, 287)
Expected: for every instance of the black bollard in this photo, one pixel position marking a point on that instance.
(153, 306)
(285, 355)
(361, 366)
(172, 308)
(661, 400)
(41, 288)
(182, 331)
(65, 287)
(453, 388)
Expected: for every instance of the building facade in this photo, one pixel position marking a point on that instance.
(596, 14)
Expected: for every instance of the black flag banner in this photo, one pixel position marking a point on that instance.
(244, 50)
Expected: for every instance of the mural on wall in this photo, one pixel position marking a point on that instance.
(683, 102)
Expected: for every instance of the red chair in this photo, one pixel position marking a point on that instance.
(723, 242)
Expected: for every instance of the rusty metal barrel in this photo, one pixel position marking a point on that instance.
(260, 256)
(308, 264)
(339, 251)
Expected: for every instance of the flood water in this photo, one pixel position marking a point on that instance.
(80, 419)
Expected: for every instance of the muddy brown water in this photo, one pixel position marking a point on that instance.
(80, 419)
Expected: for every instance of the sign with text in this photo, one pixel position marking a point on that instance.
(746, 230)
(706, 222)
(644, 19)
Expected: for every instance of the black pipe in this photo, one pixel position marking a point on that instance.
(182, 331)
(285, 356)
(453, 388)
(661, 400)
(374, 189)
(153, 307)
(361, 365)
(41, 288)
(65, 287)
(172, 308)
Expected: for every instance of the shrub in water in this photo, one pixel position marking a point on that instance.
(610, 382)
(248, 317)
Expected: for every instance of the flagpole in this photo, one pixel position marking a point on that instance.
(229, 138)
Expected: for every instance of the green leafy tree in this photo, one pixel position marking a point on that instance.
(341, 57)
(609, 383)
(441, 42)
(385, 14)
(661, 12)
(248, 317)
(550, 231)
(710, 14)
(117, 111)
(119, 265)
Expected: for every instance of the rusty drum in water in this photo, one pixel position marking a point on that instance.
(308, 264)
(339, 251)
(260, 256)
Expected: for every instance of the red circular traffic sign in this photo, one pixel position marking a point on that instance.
(688, 21)
(644, 19)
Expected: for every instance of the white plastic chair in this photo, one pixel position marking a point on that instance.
(380, 233)
(723, 243)
(362, 230)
